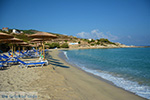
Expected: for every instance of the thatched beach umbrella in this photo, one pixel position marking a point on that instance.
(44, 36)
(21, 44)
(27, 45)
(5, 36)
(36, 41)
(12, 41)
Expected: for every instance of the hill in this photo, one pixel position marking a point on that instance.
(65, 41)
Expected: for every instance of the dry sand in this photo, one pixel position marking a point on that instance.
(60, 81)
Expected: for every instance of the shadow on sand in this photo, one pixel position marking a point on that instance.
(55, 62)
(4, 68)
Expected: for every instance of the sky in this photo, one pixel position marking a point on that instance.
(124, 21)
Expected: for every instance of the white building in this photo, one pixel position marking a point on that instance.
(90, 39)
(16, 31)
(73, 43)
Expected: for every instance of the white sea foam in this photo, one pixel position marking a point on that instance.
(65, 53)
(141, 90)
(134, 87)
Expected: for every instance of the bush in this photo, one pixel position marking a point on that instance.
(79, 42)
(89, 41)
(28, 31)
(105, 41)
(92, 40)
(92, 44)
(65, 45)
(98, 43)
(66, 41)
(53, 45)
(23, 36)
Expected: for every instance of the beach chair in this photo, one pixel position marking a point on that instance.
(3, 62)
(9, 53)
(30, 63)
(8, 60)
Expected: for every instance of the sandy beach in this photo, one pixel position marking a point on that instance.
(60, 81)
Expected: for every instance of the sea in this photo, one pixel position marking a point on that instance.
(127, 68)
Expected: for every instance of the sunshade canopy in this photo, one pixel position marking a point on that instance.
(5, 36)
(43, 35)
(36, 40)
(21, 43)
(12, 40)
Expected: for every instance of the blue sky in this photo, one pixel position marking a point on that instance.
(124, 21)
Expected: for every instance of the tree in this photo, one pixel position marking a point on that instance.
(65, 45)
(97, 43)
(66, 40)
(92, 40)
(79, 42)
(102, 40)
(53, 45)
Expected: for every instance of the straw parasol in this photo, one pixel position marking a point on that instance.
(25, 45)
(5, 36)
(44, 36)
(21, 44)
(12, 41)
(36, 40)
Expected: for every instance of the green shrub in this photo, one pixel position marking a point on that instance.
(89, 41)
(92, 44)
(66, 40)
(53, 45)
(105, 41)
(98, 43)
(92, 40)
(65, 45)
(23, 36)
(79, 42)
(29, 31)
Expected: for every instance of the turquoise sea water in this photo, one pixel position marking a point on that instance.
(128, 68)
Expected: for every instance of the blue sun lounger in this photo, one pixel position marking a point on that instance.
(9, 59)
(2, 63)
(32, 63)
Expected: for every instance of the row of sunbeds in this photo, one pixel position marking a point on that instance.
(8, 61)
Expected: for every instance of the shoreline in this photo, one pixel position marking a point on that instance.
(60, 81)
(105, 47)
(109, 83)
(62, 56)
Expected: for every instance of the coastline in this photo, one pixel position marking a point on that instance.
(109, 86)
(60, 81)
(102, 47)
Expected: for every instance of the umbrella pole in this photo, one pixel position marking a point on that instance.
(12, 50)
(19, 50)
(43, 51)
(36, 48)
(23, 49)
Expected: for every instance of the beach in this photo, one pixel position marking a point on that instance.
(60, 81)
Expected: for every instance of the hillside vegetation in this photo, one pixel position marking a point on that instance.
(62, 41)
